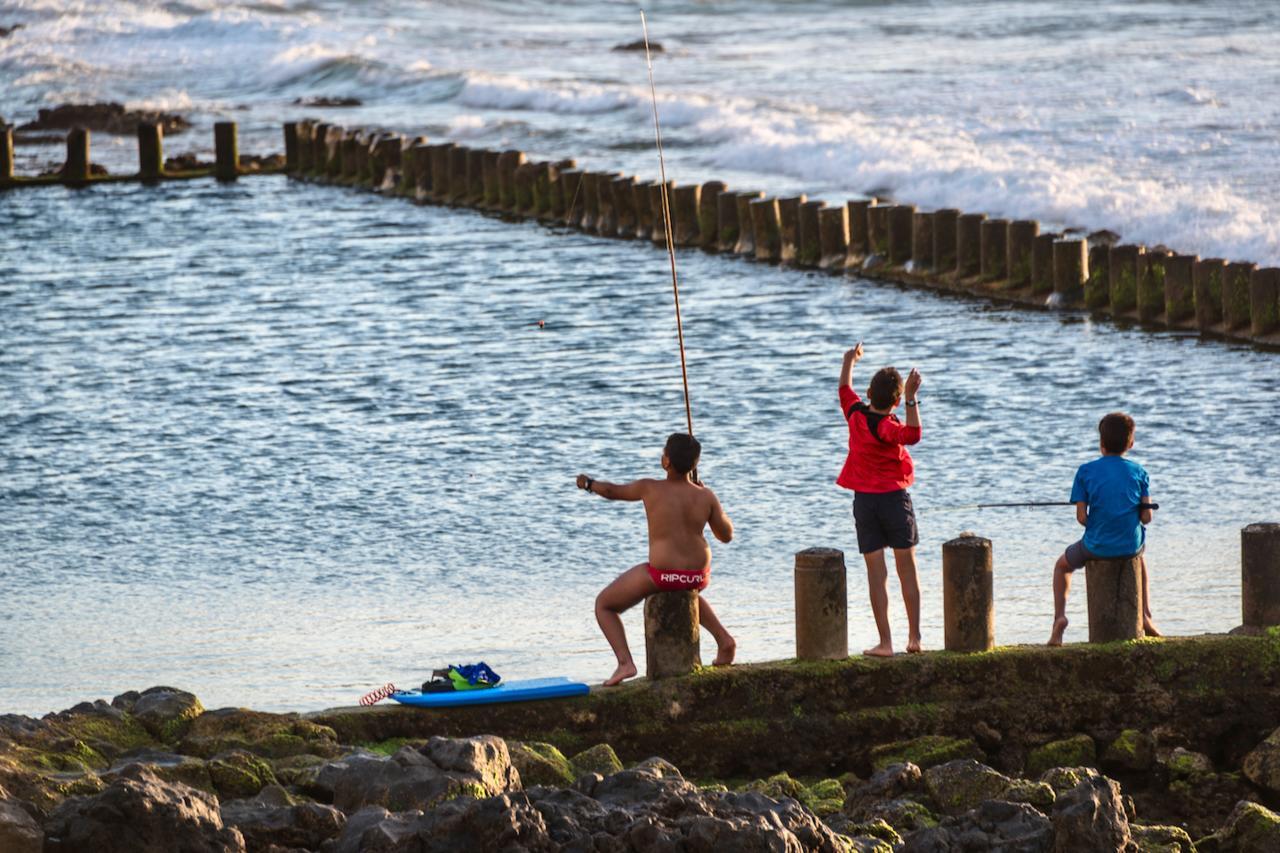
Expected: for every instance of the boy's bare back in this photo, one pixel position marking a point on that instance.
(677, 512)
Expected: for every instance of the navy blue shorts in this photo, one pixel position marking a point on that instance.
(1077, 555)
(884, 520)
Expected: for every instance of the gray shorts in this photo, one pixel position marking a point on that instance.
(1077, 555)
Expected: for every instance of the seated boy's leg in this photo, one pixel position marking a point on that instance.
(1070, 560)
(878, 586)
(627, 590)
(1148, 626)
(904, 560)
(726, 646)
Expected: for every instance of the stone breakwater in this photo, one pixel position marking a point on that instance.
(952, 250)
(1143, 746)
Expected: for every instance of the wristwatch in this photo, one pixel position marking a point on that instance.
(912, 403)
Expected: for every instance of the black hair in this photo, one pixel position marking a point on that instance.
(885, 387)
(682, 452)
(1116, 432)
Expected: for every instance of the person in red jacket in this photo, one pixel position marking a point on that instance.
(879, 471)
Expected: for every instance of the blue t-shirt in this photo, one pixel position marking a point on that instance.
(1112, 486)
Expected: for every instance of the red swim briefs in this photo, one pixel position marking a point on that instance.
(675, 580)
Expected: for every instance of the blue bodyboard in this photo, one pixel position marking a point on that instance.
(507, 691)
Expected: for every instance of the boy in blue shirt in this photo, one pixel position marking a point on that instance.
(1113, 502)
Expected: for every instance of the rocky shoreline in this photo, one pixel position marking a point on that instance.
(155, 771)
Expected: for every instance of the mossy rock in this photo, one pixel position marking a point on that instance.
(1132, 750)
(1250, 828)
(1039, 795)
(267, 735)
(714, 788)
(109, 732)
(171, 768)
(958, 786)
(1078, 751)
(925, 752)
(165, 712)
(598, 759)
(1161, 839)
(1185, 765)
(824, 797)
(391, 745)
(237, 774)
(297, 769)
(777, 787)
(540, 764)
(904, 814)
(1063, 779)
(875, 829)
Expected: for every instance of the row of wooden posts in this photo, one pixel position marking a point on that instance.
(946, 248)
(1114, 592)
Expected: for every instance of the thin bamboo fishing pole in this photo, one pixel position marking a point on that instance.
(666, 221)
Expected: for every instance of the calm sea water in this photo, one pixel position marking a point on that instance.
(278, 444)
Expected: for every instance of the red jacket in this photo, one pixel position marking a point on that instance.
(880, 462)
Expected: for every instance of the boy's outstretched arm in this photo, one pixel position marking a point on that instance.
(633, 491)
(846, 369)
(721, 526)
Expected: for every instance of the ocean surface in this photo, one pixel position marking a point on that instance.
(279, 444)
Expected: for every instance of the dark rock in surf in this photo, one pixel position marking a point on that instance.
(104, 118)
(8, 31)
(638, 44)
(322, 101)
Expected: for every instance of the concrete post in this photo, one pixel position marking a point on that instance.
(641, 201)
(684, 215)
(809, 245)
(967, 597)
(708, 212)
(458, 185)
(290, 145)
(726, 221)
(77, 169)
(1235, 295)
(901, 219)
(789, 237)
(571, 186)
(508, 162)
(1264, 301)
(922, 243)
(1207, 284)
(227, 151)
(945, 225)
(993, 249)
(878, 231)
(306, 146)
(591, 201)
(1042, 263)
(1070, 268)
(352, 143)
(151, 150)
(440, 171)
(822, 604)
(489, 179)
(606, 212)
(6, 154)
(766, 230)
(1179, 289)
(555, 190)
(624, 209)
(1114, 588)
(1019, 251)
(746, 238)
(659, 233)
(475, 176)
(969, 244)
(1122, 274)
(1151, 285)
(1260, 575)
(525, 175)
(671, 644)
(335, 143)
(411, 167)
(388, 162)
(859, 231)
(319, 149)
(833, 234)
(1097, 287)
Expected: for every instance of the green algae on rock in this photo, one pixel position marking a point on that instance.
(1078, 751)
(1250, 828)
(540, 764)
(1131, 750)
(924, 752)
(238, 773)
(961, 785)
(598, 759)
(1262, 764)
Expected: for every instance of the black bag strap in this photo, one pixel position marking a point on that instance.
(873, 419)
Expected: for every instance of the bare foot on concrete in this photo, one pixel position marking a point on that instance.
(1149, 628)
(621, 674)
(913, 646)
(1059, 628)
(883, 650)
(725, 654)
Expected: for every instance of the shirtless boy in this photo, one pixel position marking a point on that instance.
(679, 557)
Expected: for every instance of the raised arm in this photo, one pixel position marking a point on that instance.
(721, 526)
(909, 391)
(846, 369)
(633, 491)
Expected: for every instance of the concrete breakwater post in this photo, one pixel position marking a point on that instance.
(967, 595)
(859, 231)
(1235, 295)
(606, 214)
(77, 168)
(969, 244)
(746, 244)
(387, 162)
(1260, 575)
(945, 223)
(508, 162)
(658, 234)
(1097, 286)
(1114, 589)
(1122, 275)
(708, 213)
(475, 176)
(993, 246)
(623, 194)
(726, 221)
(306, 147)
(900, 219)
(641, 201)
(1042, 263)
(1020, 248)
(789, 239)
(1179, 290)
(1207, 284)
(151, 149)
(334, 149)
(1151, 284)
(524, 178)
(290, 144)
(809, 245)
(440, 171)
(822, 605)
(878, 231)
(458, 184)
(408, 185)
(6, 154)
(571, 187)
(671, 642)
(922, 242)
(766, 230)
(489, 178)
(684, 215)
(833, 235)
(1264, 301)
(590, 201)
(1070, 268)
(226, 147)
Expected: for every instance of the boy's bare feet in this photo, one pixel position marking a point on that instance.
(725, 653)
(883, 650)
(913, 646)
(1059, 628)
(1149, 628)
(621, 674)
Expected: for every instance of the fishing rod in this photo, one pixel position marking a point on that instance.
(1018, 504)
(666, 221)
